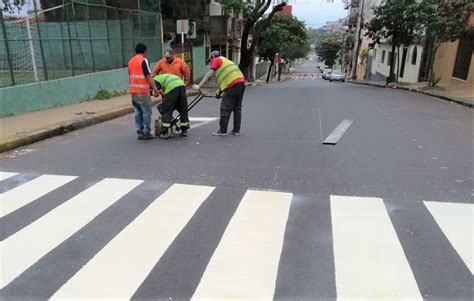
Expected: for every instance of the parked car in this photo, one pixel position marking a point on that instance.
(337, 75)
(326, 73)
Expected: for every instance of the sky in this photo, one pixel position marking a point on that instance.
(315, 13)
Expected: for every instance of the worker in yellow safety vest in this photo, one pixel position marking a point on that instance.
(141, 82)
(231, 83)
(173, 91)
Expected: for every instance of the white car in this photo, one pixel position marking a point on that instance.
(326, 73)
(337, 75)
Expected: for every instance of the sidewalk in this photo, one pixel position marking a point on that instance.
(31, 127)
(463, 97)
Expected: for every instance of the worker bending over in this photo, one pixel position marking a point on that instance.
(174, 98)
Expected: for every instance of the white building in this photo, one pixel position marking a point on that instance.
(409, 57)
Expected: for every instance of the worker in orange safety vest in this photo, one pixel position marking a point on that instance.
(141, 81)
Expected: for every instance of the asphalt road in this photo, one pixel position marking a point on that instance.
(285, 216)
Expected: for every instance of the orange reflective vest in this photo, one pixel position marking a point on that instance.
(138, 83)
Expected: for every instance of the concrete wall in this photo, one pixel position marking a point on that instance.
(58, 92)
(444, 66)
(380, 69)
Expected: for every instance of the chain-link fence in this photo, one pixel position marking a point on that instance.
(76, 37)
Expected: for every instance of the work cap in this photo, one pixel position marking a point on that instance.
(213, 55)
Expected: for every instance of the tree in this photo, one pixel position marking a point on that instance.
(399, 22)
(328, 50)
(253, 13)
(286, 36)
(444, 21)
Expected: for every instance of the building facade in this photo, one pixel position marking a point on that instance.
(409, 58)
(454, 62)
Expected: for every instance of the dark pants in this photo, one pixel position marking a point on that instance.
(174, 100)
(232, 102)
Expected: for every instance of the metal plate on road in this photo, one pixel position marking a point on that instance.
(338, 132)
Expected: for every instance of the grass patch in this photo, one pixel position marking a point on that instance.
(106, 94)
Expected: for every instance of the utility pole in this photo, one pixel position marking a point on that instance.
(355, 55)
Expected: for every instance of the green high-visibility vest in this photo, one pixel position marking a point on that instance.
(169, 82)
(227, 73)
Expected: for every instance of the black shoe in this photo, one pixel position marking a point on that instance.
(235, 133)
(139, 132)
(218, 133)
(165, 135)
(184, 134)
(145, 136)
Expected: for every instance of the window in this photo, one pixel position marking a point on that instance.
(390, 58)
(414, 55)
(383, 57)
(463, 57)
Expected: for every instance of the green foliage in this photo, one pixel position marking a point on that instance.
(237, 6)
(103, 94)
(328, 50)
(286, 36)
(364, 54)
(434, 80)
(444, 21)
(402, 21)
(316, 36)
(398, 21)
(106, 94)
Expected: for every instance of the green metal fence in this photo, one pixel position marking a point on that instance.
(74, 38)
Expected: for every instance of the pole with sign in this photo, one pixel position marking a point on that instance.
(182, 27)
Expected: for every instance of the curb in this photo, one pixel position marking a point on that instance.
(443, 97)
(62, 129)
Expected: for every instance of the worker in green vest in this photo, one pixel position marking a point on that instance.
(231, 83)
(173, 91)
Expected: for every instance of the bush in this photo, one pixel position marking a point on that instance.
(106, 94)
(435, 80)
(103, 94)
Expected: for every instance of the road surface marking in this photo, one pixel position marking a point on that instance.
(245, 263)
(200, 121)
(369, 259)
(22, 195)
(117, 271)
(456, 220)
(5, 175)
(28, 245)
(338, 132)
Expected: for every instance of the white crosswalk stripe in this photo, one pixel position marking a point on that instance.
(5, 175)
(244, 265)
(369, 258)
(457, 223)
(30, 191)
(364, 240)
(138, 247)
(25, 247)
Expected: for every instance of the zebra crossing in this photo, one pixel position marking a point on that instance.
(369, 260)
(305, 75)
